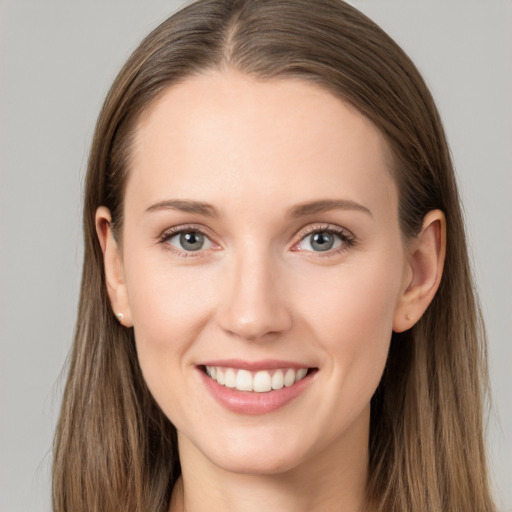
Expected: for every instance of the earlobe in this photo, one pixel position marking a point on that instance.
(113, 266)
(425, 261)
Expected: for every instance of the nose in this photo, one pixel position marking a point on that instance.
(255, 305)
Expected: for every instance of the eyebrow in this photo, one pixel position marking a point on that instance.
(299, 210)
(325, 205)
(186, 206)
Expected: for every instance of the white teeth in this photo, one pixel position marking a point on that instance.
(259, 382)
(262, 382)
(300, 374)
(289, 377)
(243, 380)
(230, 378)
(278, 380)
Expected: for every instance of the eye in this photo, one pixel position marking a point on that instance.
(320, 241)
(324, 240)
(188, 240)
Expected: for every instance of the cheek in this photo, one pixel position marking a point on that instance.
(363, 299)
(352, 316)
(168, 303)
(170, 307)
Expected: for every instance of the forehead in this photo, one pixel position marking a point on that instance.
(224, 136)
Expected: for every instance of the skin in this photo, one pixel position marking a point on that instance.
(259, 290)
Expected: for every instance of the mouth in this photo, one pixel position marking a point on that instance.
(254, 389)
(261, 381)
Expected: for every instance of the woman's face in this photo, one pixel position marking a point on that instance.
(260, 241)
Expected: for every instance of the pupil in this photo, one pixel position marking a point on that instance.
(192, 241)
(322, 241)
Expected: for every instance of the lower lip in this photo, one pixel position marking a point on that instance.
(251, 402)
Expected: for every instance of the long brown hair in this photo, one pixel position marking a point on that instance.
(114, 448)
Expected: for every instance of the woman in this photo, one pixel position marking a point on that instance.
(276, 305)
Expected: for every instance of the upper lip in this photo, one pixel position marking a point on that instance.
(265, 364)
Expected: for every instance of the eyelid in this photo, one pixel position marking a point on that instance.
(347, 238)
(323, 226)
(169, 233)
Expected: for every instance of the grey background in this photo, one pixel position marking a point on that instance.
(57, 60)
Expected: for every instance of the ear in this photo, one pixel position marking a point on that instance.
(426, 256)
(114, 269)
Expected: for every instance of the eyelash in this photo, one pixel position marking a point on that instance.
(347, 239)
(170, 233)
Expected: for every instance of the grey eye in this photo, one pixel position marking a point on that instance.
(322, 241)
(190, 241)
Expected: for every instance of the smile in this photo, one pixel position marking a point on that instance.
(261, 381)
(255, 388)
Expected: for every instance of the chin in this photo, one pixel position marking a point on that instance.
(258, 456)
(263, 465)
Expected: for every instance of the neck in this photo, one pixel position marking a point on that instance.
(332, 480)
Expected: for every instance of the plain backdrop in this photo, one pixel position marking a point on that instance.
(57, 60)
